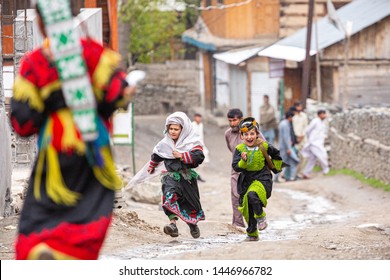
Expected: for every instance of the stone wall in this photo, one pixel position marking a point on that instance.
(172, 86)
(360, 140)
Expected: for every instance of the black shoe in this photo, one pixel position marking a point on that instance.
(171, 230)
(194, 230)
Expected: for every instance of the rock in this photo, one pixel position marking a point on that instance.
(147, 192)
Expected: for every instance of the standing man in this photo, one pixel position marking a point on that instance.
(314, 148)
(300, 122)
(267, 120)
(286, 148)
(232, 137)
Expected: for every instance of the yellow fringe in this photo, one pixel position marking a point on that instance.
(108, 62)
(69, 138)
(43, 248)
(55, 185)
(48, 130)
(49, 89)
(24, 90)
(107, 175)
(38, 175)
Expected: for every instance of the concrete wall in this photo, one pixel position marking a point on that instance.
(5, 165)
(169, 87)
(5, 149)
(360, 140)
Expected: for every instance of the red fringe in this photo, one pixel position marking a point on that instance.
(80, 241)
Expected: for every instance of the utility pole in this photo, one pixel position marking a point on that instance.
(306, 64)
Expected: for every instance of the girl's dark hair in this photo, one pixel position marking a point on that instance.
(234, 113)
(321, 111)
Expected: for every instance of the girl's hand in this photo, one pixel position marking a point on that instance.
(129, 92)
(150, 170)
(244, 156)
(176, 154)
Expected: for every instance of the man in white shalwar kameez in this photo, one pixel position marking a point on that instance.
(314, 149)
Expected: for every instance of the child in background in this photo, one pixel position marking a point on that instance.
(255, 180)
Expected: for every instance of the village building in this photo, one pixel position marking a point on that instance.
(349, 60)
(235, 71)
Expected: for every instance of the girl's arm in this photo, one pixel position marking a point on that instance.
(194, 157)
(27, 106)
(111, 89)
(276, 158)
(238, 163)
(154, 161)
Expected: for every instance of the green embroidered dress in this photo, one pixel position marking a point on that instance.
(254, 183)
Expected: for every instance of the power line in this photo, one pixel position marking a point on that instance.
(217, 7)
(221, 6)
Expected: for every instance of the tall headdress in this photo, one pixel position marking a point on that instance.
(67, 52)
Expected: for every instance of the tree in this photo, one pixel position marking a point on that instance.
(191, 15)
(153, 32)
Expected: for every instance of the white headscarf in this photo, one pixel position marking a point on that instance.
(188, 139)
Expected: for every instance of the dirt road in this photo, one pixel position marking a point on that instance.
(327, 217)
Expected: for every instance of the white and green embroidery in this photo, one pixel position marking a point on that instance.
(67, 51)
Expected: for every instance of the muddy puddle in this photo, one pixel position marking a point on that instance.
(315, 210)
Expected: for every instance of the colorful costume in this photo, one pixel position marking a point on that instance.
(179, 185)
(69, 202)
(255, 181)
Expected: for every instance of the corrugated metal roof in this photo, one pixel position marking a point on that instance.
(201, 37)
(237, 56)
(361, 14)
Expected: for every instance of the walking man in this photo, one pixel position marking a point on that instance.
(287, 149)
(300, 123)
(314, 149)
(268, 122)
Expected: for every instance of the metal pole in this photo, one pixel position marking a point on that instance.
(132, 138)
(344, 99)
(318, 65)
(282, 98)
(306, 65)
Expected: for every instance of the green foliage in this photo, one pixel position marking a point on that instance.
(153, 33)
(369, 181)
(191, 14)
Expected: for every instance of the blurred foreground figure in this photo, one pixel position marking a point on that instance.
(66, 91)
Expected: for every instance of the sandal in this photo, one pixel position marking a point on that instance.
(251, 238)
